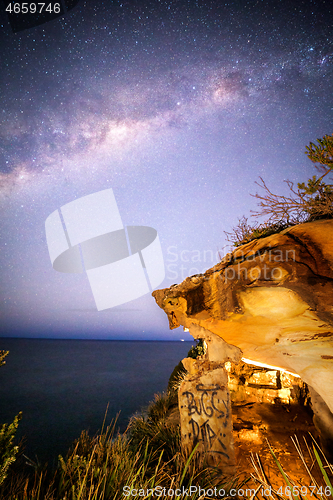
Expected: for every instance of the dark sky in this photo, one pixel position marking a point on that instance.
(179, 107)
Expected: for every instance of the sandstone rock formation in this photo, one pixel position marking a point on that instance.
(272, 299)
(249, 382)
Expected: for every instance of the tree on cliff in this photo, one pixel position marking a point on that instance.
(308, 202)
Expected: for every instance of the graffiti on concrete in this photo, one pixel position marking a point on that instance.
(205, 410)
(211, 404)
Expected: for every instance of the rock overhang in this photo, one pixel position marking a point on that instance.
(271, 298)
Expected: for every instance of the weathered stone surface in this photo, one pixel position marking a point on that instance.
(263, 385)
(272, 299)
(205, 417)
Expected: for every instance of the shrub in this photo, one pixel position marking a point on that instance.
(8, 451)
(308, 202)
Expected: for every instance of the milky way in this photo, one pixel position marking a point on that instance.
(178, 106)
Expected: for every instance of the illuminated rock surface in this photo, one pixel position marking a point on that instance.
(261, 385)
(272, 299)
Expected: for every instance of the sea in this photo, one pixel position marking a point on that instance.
(65, 386)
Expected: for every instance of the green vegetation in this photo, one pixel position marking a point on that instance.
(179, 371)
(8, 451)
(147, 461)
(316, 482)
(245, 232)
(3, 354)
(148, 458)
(198, 350)
(308, 202)
(148, 455)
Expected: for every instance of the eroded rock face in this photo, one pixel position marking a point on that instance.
(205, 416)
(263, 385)
(272, 299)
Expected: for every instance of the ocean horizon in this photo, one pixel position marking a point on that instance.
(65, 386)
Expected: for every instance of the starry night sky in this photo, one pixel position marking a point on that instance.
(179, 106)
